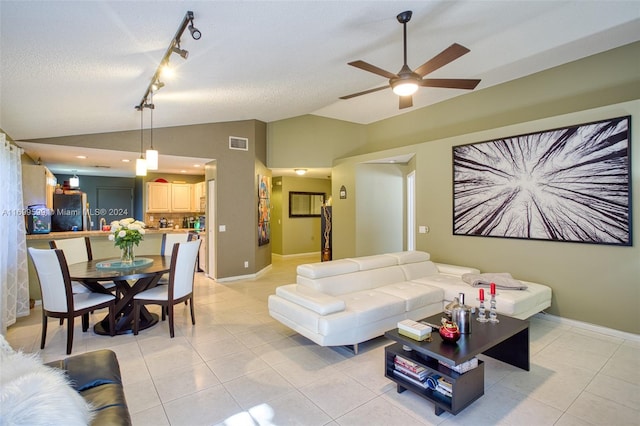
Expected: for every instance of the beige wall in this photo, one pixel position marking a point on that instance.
(597, 284)
(299, 234)
(235, 175)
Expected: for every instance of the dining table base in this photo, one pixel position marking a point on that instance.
(102, 327)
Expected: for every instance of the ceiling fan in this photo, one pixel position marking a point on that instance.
(406, 82)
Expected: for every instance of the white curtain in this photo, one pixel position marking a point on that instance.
(14, 275)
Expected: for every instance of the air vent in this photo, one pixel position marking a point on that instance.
(241, 144)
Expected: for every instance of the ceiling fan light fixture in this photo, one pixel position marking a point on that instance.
(405, 88)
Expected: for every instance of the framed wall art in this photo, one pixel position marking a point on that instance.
(570, 184)
(264, 210)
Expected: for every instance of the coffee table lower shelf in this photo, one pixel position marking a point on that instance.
(466, 387)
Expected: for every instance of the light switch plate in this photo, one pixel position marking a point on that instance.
(222, 228)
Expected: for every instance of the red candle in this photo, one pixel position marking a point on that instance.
(493, 289)
(482, 294)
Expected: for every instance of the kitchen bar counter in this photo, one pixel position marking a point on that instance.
(92, 234)
(101, 247)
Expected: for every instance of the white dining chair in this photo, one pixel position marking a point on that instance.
(179, 289)
(58, 299)
(168, 241)
(78, 250)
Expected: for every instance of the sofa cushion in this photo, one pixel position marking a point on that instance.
(320, 303)
(443, 268)
(414, 294)
(404, 257)
(373, 262)
(362, 307)
(355, 281)
(413, 271)
(327, 269)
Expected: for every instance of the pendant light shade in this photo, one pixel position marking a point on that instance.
(141, 167)
(152, 153)
(152, 159)
(74, 181)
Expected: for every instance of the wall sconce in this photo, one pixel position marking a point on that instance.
(343, 193)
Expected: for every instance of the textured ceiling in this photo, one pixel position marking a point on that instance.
(80, 67)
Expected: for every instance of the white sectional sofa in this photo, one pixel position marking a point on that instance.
(349, 301)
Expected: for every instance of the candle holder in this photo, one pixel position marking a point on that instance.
(493, 313)
(482, 312)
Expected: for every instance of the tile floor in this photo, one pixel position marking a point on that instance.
(237, 366)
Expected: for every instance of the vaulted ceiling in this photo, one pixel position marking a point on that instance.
(80, 67)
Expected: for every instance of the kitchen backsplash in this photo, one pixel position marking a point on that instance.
(175, 218)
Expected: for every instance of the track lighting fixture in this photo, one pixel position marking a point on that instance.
(174, 47)
(156, 86)
(195, 33)
(181, 52)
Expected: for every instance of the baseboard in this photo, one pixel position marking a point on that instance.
(588, 326)
(244, 277)
(291, 256)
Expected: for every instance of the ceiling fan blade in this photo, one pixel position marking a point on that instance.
(406, 101)
(449, 54)
(450, 83)
(372, 68)
(353, 95)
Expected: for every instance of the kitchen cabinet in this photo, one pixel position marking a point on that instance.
(199, 192)
(181, 197)
(158, 197)
(38, 185)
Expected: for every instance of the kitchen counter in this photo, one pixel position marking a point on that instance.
(101, 247)
(92, 234)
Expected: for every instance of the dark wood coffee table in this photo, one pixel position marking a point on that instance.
(507, 341)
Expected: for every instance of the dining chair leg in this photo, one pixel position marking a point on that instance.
(70, 325)
(112, 320)
(44, 330)
(61, 321)
(171, 330)
(164, 312)
(85, 322)
(193, 316)
(136, 317)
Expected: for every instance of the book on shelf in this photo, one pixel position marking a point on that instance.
(419, 376)
(409, 365)
(410, 379)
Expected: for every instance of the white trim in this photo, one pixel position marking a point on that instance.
(244, 277)
(290, 256)
(588, 326)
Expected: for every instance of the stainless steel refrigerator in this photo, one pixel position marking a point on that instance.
(69, 213)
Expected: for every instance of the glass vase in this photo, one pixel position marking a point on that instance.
(127, 256)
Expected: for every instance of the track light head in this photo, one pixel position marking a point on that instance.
(195, 33)
(157, 86)
(181, 52)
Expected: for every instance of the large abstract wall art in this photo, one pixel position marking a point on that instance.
(570, 184)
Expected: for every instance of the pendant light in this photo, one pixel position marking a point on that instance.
(152, 154)
(141, 163)
(74, 181)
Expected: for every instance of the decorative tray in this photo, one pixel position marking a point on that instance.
(117, 264)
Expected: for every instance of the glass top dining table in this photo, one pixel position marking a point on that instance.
(129, 281)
